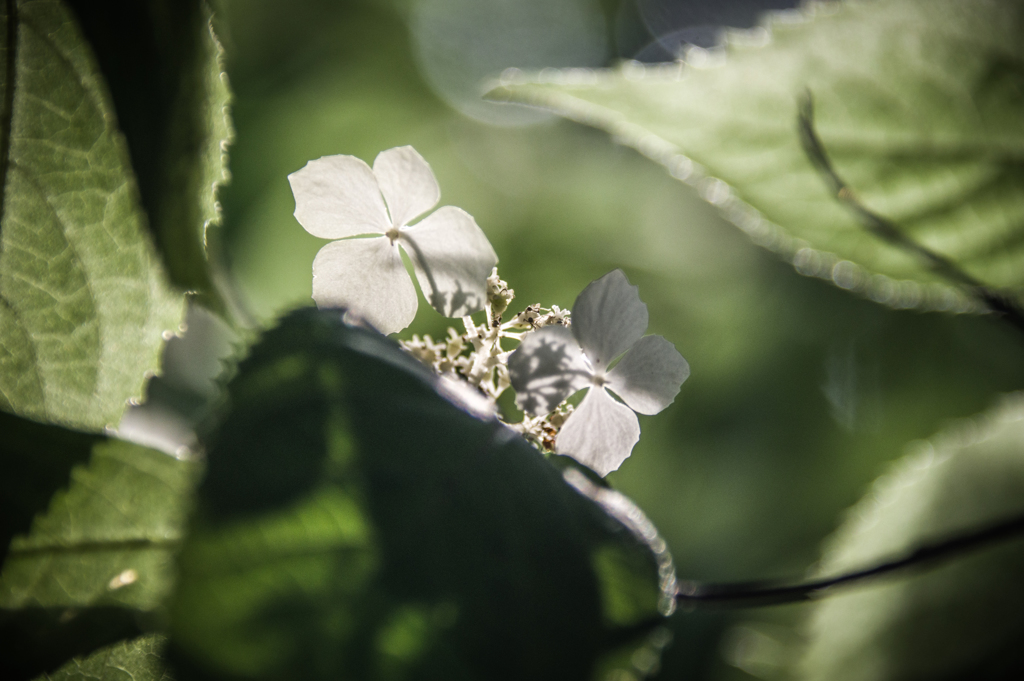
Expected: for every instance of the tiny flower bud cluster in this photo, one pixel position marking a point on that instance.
(542, 430)
(478, 357)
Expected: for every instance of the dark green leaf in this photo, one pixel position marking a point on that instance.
(353, 523)
(920, 104)
(962, 620)
(83, 298)
(162, 61)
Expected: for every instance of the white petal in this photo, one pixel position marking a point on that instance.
(600, 434)
(648, 376)
(338, 196)
(546, 368)
(367, 277)
(608, 317)
(452, 258)
(408, 184)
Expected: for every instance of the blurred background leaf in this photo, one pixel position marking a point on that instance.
(83, 298)
(800, 393)
(353, 523)
(962, 620)
(918, 103)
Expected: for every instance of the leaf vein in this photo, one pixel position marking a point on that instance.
(75, 254)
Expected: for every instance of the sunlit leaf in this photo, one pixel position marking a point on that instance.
(35, 461)
(84, 301)
(121, 514)
(136, 660)
(961, 620)
(353, 523)
(918, 103)
(98, 561)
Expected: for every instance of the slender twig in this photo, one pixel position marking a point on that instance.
(999, 303)
(759, 594)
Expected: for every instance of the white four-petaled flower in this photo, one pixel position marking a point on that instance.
(608, 319)
(340, 197)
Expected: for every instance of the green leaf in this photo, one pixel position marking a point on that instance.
(122, 513)
(40, 640)
(136, 660)
(918, 102)
(83, 299)
(195, 162)
(353, 523)
(961, 620)
(98, 562)
(163, 63)
(35, 461)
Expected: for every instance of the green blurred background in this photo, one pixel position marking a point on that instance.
(800, 393)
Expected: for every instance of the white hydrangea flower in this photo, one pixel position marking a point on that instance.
(608, 319)
(340, 197)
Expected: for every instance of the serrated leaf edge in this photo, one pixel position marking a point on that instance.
(224, 142)
(95, 85)
(808, 261)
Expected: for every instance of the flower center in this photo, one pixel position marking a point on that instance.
(598, 379)
(392, 234)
